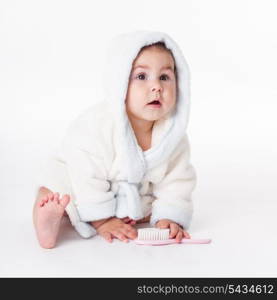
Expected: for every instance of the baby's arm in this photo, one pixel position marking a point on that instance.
(173, 192)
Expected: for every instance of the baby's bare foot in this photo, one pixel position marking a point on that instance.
(48, 218)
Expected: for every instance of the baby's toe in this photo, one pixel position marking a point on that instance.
(46, 198)
(50, 196)
(56, 197)
(64, 200)
(43, 201)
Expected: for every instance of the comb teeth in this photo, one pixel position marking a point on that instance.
(153, 234)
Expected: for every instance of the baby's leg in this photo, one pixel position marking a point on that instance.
(47, 214)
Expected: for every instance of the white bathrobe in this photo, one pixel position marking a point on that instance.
(102, 167)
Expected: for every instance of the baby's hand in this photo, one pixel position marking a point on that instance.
(127, 220)
(114, 227)
(176, 231)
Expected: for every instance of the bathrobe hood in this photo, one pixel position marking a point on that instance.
(121, 54)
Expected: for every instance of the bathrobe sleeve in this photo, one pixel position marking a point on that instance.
(84, 153)
(173, 193)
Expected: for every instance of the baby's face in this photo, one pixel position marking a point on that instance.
(152, 78)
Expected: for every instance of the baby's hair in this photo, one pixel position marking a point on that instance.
(161, 45)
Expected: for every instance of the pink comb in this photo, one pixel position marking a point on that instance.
(172, 241)
(159, 237)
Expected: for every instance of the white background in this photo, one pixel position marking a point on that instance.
(51, 54)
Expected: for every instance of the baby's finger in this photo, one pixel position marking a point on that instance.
(129, 231)
(107, 236)
(174, 228)
(120, 236)
(179, 236)
(127, 220)
(162, 224)
(186, 235)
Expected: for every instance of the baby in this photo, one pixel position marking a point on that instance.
(126, 160)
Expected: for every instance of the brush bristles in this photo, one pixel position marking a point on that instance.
(153, 234)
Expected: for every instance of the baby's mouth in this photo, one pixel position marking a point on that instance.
(155, 103)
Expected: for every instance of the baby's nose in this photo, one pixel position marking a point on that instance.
(156, 87)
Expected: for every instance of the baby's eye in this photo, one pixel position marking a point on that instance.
(164, 77)
(141, 76)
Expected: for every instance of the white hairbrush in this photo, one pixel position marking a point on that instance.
(158, 237)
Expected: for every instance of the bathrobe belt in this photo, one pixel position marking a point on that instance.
(128, 200)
